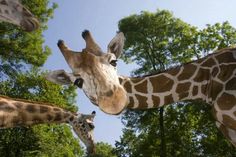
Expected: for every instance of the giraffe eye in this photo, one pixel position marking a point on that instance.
(113, 63)
(79, 82)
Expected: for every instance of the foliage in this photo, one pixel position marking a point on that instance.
(158, 41)
(21, 55)
(103, 150)
(42, 140)
(18, 47)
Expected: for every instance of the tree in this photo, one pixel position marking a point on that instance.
(103, 150)
(21, 55)
(157, 41)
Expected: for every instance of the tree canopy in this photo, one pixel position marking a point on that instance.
(158, 41)
(21, 56)
(103, 150)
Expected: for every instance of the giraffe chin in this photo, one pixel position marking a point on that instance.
(114, 104)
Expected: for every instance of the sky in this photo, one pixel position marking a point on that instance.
(101, 18)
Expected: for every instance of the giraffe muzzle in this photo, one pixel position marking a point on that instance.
(114, 103)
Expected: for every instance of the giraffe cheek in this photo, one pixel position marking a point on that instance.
(115, 103)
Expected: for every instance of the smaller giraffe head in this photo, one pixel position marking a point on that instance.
(14, 12)
(83, 126)
(95, 72)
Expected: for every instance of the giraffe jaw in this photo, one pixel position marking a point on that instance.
(29, 24)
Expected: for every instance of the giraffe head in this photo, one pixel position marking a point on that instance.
(13, 12)
(83, 126)
(95, 72)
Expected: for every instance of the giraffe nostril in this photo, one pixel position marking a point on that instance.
(109, 93)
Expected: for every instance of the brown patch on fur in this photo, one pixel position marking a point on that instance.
(225, 57)
(43, 109)
(120, 80)
(49, 117)
(183, 89)
(56, 109)
(142, 101)
(136, 80)
(128, 87)
(208, 63)
(161, 83)
(141, 87)
(31, 108)
(58, 117)
(229, 122)
(188, 71)
(231, 84)
(204, 89)
(226, 72)
(131, 102)
(168, 99)
(226, 101)
(202, 75)
(183, 95)
(216, 88)
(173, 71)
(23, 116)
(71, 118)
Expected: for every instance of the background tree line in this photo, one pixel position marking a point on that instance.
(22, 55)
(155, 41)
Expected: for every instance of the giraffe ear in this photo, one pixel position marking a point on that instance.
(60, 77)
(116, 45)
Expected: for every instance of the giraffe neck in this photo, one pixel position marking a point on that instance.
(161, 89)
(22, 113)
(203, 79)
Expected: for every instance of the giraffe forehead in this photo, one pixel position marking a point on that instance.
(88, 60)
(99, 74)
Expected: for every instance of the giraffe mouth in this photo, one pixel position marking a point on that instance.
(93, 100)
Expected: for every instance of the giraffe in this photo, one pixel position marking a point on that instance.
(19, 112)
(14, 12)
(211, 79)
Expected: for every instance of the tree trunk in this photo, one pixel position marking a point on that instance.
(162, 133)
